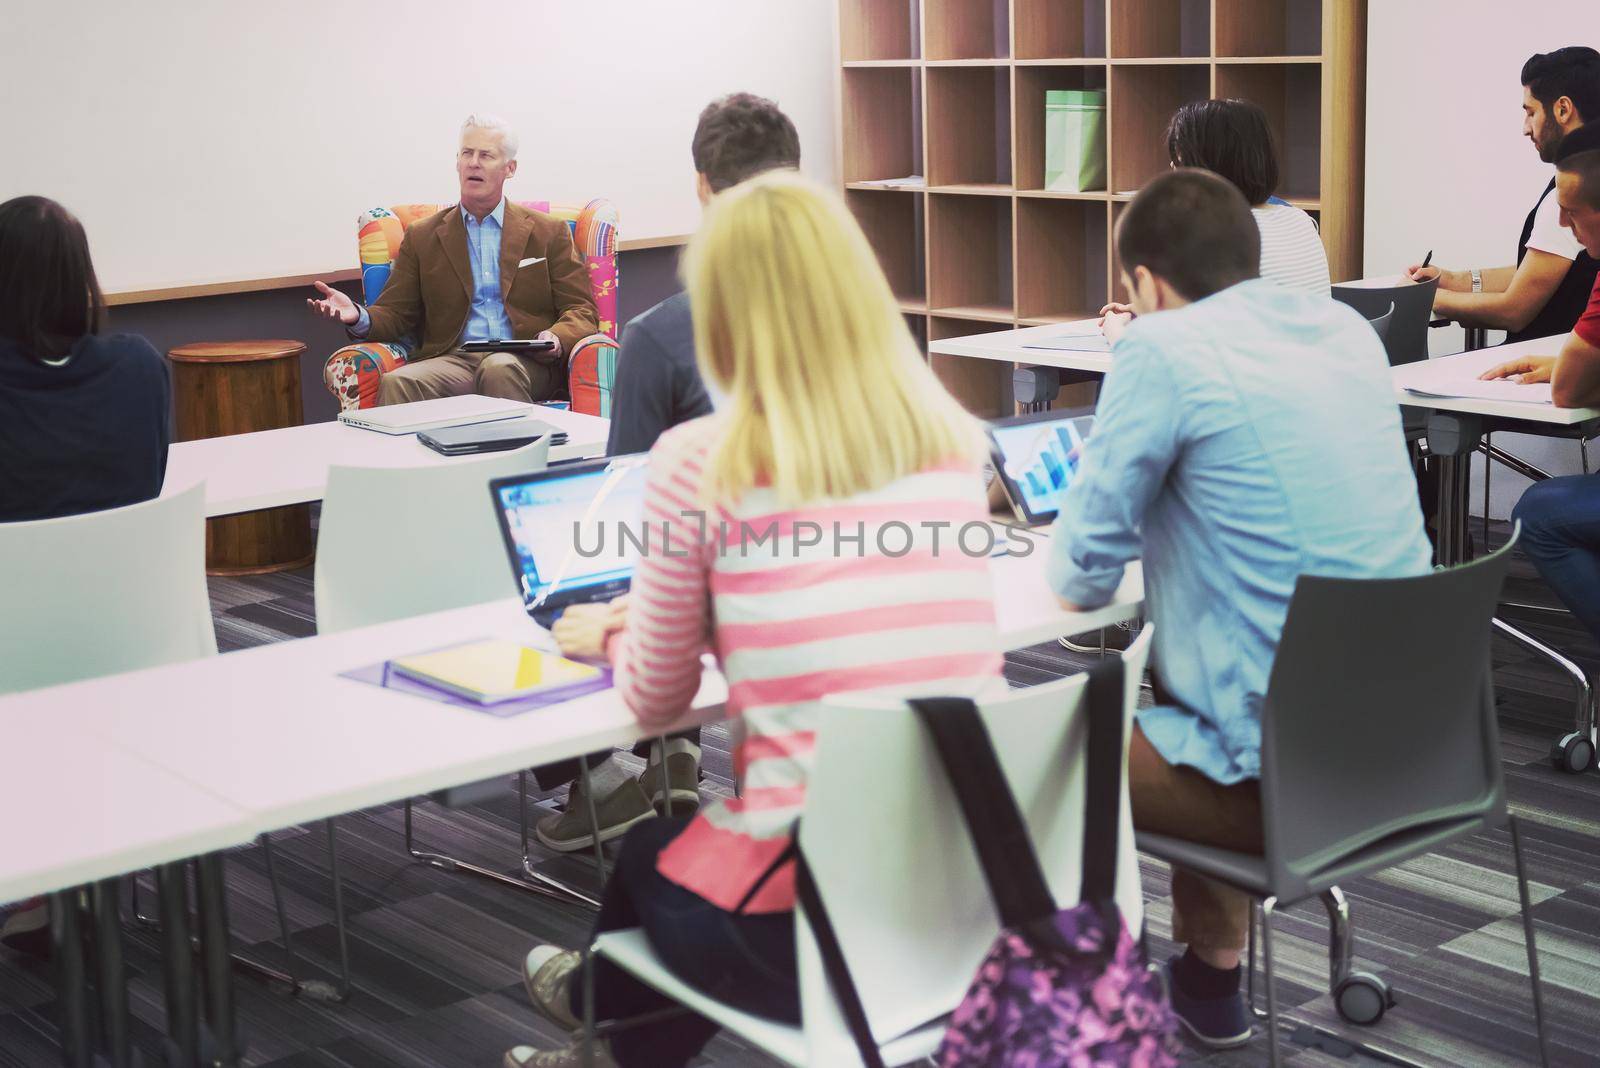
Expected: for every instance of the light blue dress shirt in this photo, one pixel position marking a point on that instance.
(1239, 442)
(487, 317)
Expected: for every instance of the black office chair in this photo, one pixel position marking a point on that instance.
(1380, 323)
(1379, 744)
(1406, 340)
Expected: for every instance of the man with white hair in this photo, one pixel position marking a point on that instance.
(481, 270)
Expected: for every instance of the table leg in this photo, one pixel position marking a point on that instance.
(66, 948)
(183, 1025)
(113, 974)
(211, 890)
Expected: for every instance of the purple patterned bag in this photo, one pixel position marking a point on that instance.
(1060, 988)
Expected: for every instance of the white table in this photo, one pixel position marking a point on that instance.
(1455, 427)
(270, 468)
(1009, 346)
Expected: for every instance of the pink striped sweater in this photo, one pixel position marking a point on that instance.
(902, 608)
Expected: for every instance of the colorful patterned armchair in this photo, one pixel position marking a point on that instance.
(351, 374)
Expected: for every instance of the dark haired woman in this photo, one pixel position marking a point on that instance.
(1232, 138)
(83, 415)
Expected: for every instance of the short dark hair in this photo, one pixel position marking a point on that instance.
(1586, 165)
(740, 136)
(1193, 229)
(1572, 72)
(49, 296)
(1230, 138)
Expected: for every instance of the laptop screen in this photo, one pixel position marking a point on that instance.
(1037, 458)
(569, 528)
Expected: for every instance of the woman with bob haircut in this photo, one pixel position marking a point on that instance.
(833, 422)
(83, 418)
(83, 415)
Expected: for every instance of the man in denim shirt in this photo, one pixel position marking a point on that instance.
(1247, 434)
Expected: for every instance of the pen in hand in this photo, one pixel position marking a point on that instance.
(1427, 260)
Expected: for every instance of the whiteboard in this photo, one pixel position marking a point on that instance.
(215, 142)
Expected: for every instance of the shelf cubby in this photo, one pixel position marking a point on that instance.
(967, 29)
(1291, 95)
(879, 30)
(982, 386)
(894, 224)
(1061, 271)
(1119, 292)
(1160, 29)
(882, 123)
(1058, 29)
(1269, 27)
(1143, 99)
(969, 127)
(969, 257)
(1032, 82)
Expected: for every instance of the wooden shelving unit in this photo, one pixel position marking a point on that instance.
(954, 90)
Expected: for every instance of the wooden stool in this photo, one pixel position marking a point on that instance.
(236, 387)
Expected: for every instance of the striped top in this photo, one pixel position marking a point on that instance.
(867, 593)
(1291, 249)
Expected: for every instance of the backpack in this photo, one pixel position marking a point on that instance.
(1060, 986)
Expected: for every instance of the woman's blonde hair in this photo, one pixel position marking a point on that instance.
(828, 395)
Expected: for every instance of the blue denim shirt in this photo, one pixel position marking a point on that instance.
(487, 317)
(1240, 442)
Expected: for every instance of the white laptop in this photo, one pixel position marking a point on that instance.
(432, 414)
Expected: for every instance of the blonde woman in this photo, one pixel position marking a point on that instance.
(834, 485)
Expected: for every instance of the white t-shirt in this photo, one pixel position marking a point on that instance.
(1291, 249)
(1548, 233)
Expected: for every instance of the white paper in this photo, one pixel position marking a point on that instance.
(1497, 390)
(910, 181)
(1383, 281)
(1071, 343)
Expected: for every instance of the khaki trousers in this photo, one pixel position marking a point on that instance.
(490, 374)
(1180, 802)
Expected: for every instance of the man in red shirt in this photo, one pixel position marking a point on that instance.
(1561, 516)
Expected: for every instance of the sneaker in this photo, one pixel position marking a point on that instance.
(681, 781)
(27, 928)
(1215, 1023)
(568, 831)
(568, 1057)
(547, 974)
(1118, 637)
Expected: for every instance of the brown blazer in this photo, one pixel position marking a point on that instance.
(429, 292)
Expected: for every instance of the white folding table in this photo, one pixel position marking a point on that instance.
(271, 468)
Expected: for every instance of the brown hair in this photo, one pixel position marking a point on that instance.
(1193, 229)
(1227, 137)
(741, 136)
(49, 296)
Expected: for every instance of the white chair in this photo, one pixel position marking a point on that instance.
(906, 896)
(394, 542)
(104, 592)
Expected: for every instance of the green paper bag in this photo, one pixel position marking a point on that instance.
(1074, 140)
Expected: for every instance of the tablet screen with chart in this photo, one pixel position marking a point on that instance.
(1036, 457)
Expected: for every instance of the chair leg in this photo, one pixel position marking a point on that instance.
(291, 960)
(540, 884)
(660, 746)
(588, 1003)
(1488, 465)
(1339, 936)
(1528, 938)
(1267, 908)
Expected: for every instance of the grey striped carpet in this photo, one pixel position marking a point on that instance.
(436, 955)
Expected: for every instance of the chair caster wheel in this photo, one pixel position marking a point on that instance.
(1573, 754)
(1363, 998)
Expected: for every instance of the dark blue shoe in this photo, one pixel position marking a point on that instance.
(1216, 1023)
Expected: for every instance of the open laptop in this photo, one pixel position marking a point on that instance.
(431, 414)
(1036, 458)
(572, 532)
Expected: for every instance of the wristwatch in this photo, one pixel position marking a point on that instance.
(1477, 280)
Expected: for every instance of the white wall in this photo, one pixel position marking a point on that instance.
(205, 142)
(1447, 166)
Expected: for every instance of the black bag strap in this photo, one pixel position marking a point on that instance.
(994, 823)
(999, 834)
(833, 962)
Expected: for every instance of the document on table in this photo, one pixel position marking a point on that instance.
(1071, 343)
(1498, 390)
(910, 181)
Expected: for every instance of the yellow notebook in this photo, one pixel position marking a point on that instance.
(492, 671)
